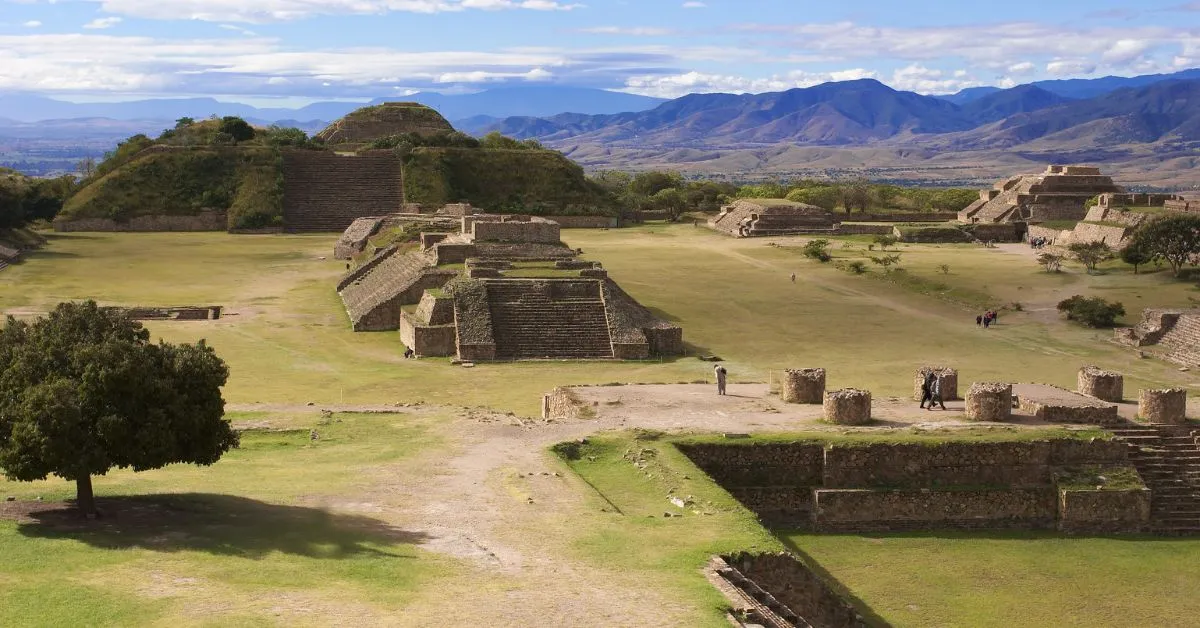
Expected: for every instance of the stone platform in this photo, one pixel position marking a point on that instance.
(1056, 405)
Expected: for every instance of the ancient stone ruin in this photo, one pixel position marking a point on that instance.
(1166, 405)
(1101, 384)
(180, 313)
(803, 386)
(391, 118)
(502, 288)
(1175, 332)
(989, 402)
(1059, 193)
(781, 591)
(413, 217)
(758, 217)
(848, 406)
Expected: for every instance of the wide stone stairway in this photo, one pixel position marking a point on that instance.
(534, 319)
(323, 191)
(1168, 459)
(1183, 340)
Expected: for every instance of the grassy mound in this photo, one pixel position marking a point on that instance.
(393, 118)
(246, 182)
(538, 182)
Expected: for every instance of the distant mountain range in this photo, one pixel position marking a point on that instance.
(862, 112)
(492, 103)
(1079, 88)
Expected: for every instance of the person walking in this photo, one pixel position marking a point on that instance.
(721, 373)
(935, 391)
(793, 277)
(926, 389)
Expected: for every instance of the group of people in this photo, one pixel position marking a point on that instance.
(986, 319)
(931, 391)
(1038, 243)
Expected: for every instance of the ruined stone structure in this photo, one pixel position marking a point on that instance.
(518, 294)
(781, 591)
(8, 255)
(756, 217)
(1059, 193)
(803, 386)
(1177, 332)
(1183, 205)
(1167, 457)
(1101, 384)
(947, 377)
(1166, 405)
(840, 487)
(327, 191)
(989, 402)
(1056, 405)
(392, 118)
(848, 406)
(431, 223)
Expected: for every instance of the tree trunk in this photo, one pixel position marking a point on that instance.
(85, 500)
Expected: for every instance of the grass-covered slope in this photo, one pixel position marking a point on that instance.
(246, 182)
(539, 182)
(393, 118)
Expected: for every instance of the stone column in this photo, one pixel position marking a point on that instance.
(848, 406)
(1166, 405)
(803, 386)
(1101, 384)
(989, 401)
(947, 375)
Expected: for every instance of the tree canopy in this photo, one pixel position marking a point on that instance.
(83, 391)
(1174, 238)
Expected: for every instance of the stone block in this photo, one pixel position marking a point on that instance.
(1166, 405)
(947, 376)
(848, 406)
(1101, 384)
(989, 402)
(803, 385)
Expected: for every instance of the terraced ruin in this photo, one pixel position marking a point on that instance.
(757, 217)
(503, 288)
(1059, 193)
(1176, 332)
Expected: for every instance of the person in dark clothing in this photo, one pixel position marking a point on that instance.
(979, 320)
(720, 373)
(987, 321)
(409, 353)
(927, 389)
(935, 392)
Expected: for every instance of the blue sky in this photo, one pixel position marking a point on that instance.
(293, 51)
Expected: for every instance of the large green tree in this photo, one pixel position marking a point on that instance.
(83, 391)
(1175, 238)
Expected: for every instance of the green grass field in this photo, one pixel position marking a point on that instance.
(292, 531)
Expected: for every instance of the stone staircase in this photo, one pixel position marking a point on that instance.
(1168, 459)
(324, 191)
(1183, 341)
(534, 320)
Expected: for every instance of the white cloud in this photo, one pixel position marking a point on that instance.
(640, 31)
(918, 78)
(1070, 67)
(1023, 68)
(103, 22)
(31, 24)
(239, 29)
(258, 11)
(673, 86)
(693, 4)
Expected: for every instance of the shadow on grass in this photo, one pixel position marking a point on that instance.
(217, 524)
(50, 236)
(873, 618)
(47, 254)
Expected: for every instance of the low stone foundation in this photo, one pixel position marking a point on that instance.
(1056, 405)
(989, 402)
(948, 379)
(864, 510)
(788, 589)
(1103, 512)
(803, 386)
(1101, 384)
(184, 313)
(1166, 405)
(204, 221)
(848, 406)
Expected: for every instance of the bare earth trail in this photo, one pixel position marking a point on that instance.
(498, 499)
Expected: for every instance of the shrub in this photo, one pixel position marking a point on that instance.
(1091, 311)
(1090, 254)
(818, 250)
(1052, 262)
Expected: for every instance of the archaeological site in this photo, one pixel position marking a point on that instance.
(502, 287)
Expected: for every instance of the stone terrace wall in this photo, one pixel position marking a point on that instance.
(205, 221)
(584, 222)
(1101, 512)
(797, 587)
(1191, 206)
(867, 510)
(543, 231)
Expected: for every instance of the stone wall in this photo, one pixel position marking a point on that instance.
(1191, 206)
(869, 510)
(1113, 236)
(847, 229)
(426, 340)
(925, 217)
(1103, 511)
(584, 222)
(1000, 232)
(876, 486)
(1035, 231)
(537, 230)
(561, 404)
(204, 221)
(794, 585)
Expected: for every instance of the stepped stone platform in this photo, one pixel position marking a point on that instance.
(756, 217)
(1175, 331)
(503, 288)
(412, 217)
(326, 191)
(1059, 193)
(391, 118)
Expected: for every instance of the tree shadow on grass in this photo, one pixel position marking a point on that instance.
(45, 254)
(218, 524)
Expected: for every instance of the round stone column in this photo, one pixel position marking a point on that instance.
(989, 401)
(1163, 405)
(803, 386)
(1101, 384)
(848, 406)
